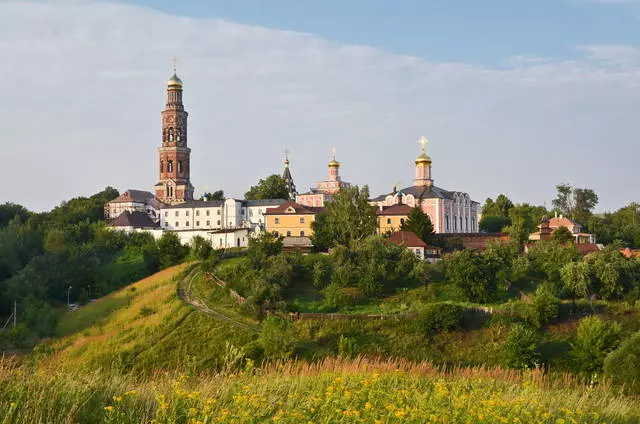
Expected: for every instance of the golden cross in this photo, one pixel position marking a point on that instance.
(286, 154)
(174, 60)
(333, 150)
(423, 141)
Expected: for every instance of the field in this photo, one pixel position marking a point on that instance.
(333, 390)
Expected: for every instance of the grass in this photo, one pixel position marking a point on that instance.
(332, 390)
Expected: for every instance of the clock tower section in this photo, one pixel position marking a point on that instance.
(174, 185)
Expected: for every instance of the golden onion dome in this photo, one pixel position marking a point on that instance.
(174, 81)
(334, 163)
(423, 158)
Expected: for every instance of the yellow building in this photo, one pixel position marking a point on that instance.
(291, 220)
(391, 218)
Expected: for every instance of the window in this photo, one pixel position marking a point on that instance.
(389, 221)
(161, 166)
(288, 233)
(302, 220)
(197, 213)
(301, 233)
(166, 214)
(250, 212)
(180, 166)
(170, 166)
(178, 130)
(242, 211)
(170, 136)
(401, 221)
(187, 224)
(218, 211)
(197, 223)
(177, 224)
(275, 233)
(186, 213)
(276, 220)
(218, 222)
(208, 212)
(455, 222)
(208, 223)
(461, 228)
(177, 213)
(446, 220)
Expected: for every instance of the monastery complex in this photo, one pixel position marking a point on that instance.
(231, 222)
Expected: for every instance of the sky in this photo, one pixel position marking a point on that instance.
(514, 96)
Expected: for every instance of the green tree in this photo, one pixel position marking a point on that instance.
(595, 339)
(576, 278)
(262, 247)
(548, 257)
(200, 248)
(520, 349)
(272, 187)
(524, 220)
(216, 195)
(277, 338)
(347, 218)
(576, 203)
(545, 305)
(9, 211)
(494, 224)
(420, 224)
(622, 365)
(170, 250)
(472, 274)
(562, 235)
(500, 207)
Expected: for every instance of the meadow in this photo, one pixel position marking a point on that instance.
(356, 390)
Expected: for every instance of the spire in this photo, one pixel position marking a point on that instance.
(423, 166)
(174, 82)
(287, 177)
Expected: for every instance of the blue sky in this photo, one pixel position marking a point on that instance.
(472, 31)
(515, 96)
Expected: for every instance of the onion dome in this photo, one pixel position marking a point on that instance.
(334, 163)
(423, 158)
(174, 81)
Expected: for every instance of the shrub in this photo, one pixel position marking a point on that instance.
(622, 365)
(520, 350)
(170, 250)
(545, 305)
(441, 316)
(335, 297)
(277, 338)
(595, 339)
(346, 347)
(200, 248)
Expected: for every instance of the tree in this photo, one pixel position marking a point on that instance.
(348, 217)
(545, 305)
(216, 195)
(170, 250)
(277, 338)
(623, 364)
(8, 211)
(494, 224)
(200, 248)
(520, 350)
(472, 274)
(576, 278)
(272, 187)
(500, 207)
(577, 203)
(420, 224)
(562, 235)
(263, 246)
(524, 220)
(595, 339)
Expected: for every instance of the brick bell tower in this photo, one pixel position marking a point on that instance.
(174, 185)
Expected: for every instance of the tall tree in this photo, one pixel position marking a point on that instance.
(216, 195)
(272, 187)
(348, 217)
(576, 203)
(420, 224)
(500, 207)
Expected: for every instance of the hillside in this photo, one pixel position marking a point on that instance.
(142, 327)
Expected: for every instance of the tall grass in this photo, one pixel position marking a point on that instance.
(333, 390)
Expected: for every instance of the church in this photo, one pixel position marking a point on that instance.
(449, 211)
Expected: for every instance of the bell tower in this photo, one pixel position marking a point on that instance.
(174, 185)
(423, 167)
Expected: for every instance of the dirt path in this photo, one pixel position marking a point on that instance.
(186, 293)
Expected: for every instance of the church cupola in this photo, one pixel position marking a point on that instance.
(288, 178)
(334, 168)
(423, 167)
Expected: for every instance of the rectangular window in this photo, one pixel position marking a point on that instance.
(250, 212)
(242, 211)
(401, 221)
(208, 223)
(177, 213)
(176, 224)
(166, 214)
(389, 221)
(276, 220)
(288, 233)
(218, 222)
(218, 211)
(302, 220)
(187, 224)
(197, 223)
(275, 233)
(197, 213)
(187, 213)
(208, 211)
(301, 233)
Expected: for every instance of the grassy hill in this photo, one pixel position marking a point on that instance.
(140, 328)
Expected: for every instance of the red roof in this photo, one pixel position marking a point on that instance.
(561, 221)
(406, 238)
(401, 210)
(630, 253)
(586, 248)
(293, 208)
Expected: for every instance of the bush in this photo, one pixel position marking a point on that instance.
(520, 350)
(545, 305)
(595, 339)
(277, 338)
(622, 365)
(335, 297)
(346, 347)
(170, 250)
(441, 316)
(200, 248)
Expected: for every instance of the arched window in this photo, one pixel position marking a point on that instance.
(171, 134)
(170, 166)
(161, 166)
(180, 166)
(301, 233)
(178, 131)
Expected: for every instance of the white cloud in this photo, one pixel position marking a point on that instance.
(83, 87)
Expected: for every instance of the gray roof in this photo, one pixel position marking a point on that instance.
(265, 202)
(139, 196)
(134, 219)
(196, 204)
(420, 192)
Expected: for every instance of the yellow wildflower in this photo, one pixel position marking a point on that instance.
(108, 408)
(117, 398)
